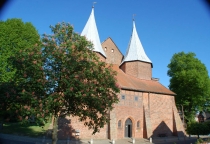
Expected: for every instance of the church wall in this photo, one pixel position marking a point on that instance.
(144, 71)
(161, 113)
(130, 68)
(68, 125)
(113, 55)
(129, 108)
(138, 69)
(156, 113)
(101, 57)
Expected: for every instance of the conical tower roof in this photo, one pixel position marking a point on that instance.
(90, 31)
(135, 50)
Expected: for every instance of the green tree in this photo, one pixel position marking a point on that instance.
(190, 81)
(24, 96)
(15, 35)
(195, 128)
(78, 82)
(16, 38)
(63, 76)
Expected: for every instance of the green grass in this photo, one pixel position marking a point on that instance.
(31, 130)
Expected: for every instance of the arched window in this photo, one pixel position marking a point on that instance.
(119, 124)
(138, 124)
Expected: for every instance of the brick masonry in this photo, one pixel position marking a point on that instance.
(138, 69)
(101, 57)
(155, 113)
(113, 54)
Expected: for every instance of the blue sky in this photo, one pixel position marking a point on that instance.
(164, 27)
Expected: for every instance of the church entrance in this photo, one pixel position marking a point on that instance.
(128, 128)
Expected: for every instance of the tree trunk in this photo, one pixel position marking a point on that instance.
(55, 130)
(1, 125)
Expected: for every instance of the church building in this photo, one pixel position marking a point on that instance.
(146, 108)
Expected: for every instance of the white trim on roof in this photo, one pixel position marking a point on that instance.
(90, 31)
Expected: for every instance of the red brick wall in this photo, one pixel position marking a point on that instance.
(129, 108)
(101, 57)
(68, 125)
(113, 55)
(138, 69)
(161, 113)
(157, 114)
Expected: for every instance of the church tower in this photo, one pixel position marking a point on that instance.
(136, 62)
(90, 31)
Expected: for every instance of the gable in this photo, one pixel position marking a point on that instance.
(113, 54)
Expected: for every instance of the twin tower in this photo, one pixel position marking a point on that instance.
(135, 62)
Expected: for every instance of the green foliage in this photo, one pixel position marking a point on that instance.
(15, 35)
(190, 81)
(77, 80)
(31, 129)
(18, 52)
(24, 96)
(60, 76)
(195, 128)
(199, 141)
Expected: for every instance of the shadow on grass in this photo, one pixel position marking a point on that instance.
(31, 130)
(65, 132)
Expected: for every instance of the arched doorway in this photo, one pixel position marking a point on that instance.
(128, 128)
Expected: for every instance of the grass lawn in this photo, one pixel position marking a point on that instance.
(32, 130)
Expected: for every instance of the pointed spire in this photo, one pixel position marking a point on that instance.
(91, 33)
(135, 50)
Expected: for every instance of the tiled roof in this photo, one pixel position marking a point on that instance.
(90, 31)
(135, 50)
(129, 82)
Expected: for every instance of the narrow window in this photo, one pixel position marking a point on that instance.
(138, 124)
(136, 98)
(105, 48)
(112, 50)
(123, 97)
(119, 124)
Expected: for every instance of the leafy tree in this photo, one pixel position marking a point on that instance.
(15, 35)
(16, 38)
(195, 128)
(24, 96)
(63, 76)
(190, 81)
(78, 82)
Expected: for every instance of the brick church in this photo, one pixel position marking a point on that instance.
(146, 108)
